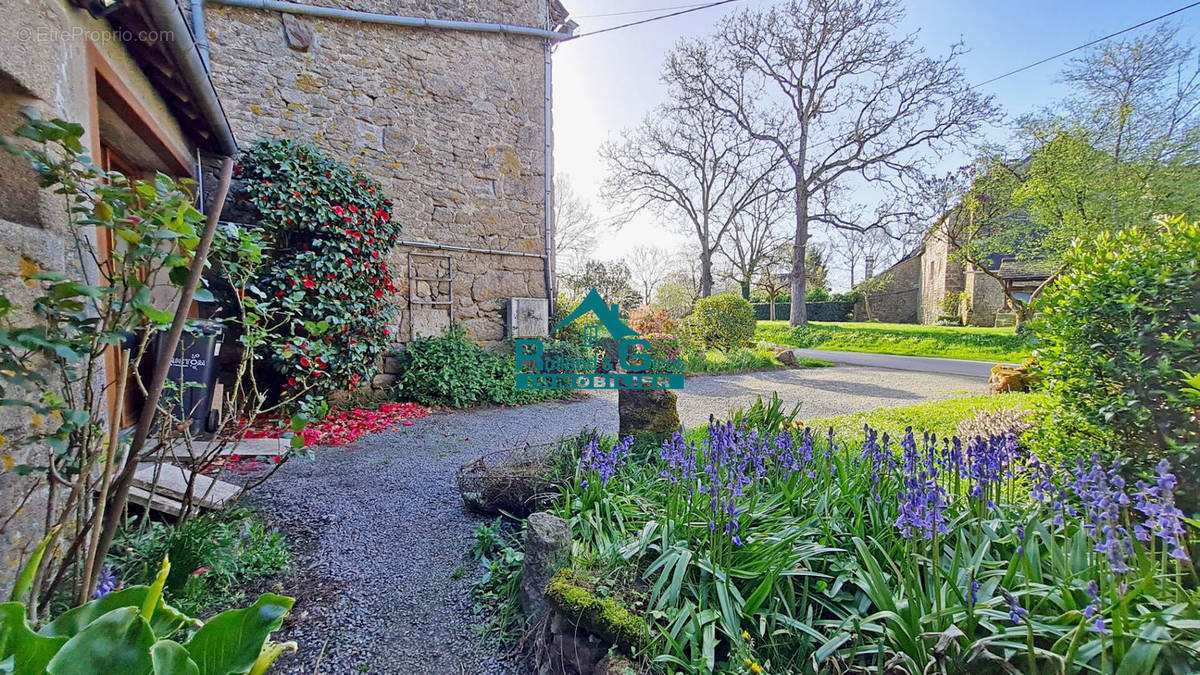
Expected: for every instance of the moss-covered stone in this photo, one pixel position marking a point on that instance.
(572, 595)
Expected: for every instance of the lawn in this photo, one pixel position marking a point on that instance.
(939, 417)
(950, 342)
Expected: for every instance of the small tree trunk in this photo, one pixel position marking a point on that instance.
(799, 254)
(745, 289)
(705, 273)
(771, 299)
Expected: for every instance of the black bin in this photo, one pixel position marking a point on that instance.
(194, 372)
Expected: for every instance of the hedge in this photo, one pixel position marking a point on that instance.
(834, 310)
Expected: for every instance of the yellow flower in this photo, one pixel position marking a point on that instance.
(746, 637)
(749, 662)
(755, 668)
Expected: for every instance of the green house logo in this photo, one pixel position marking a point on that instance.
(626, 361)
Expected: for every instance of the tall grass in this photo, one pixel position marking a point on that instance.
(798, 552)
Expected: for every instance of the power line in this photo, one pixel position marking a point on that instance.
(653, 18)
(1086, 45)
(638, 11)
(1147, 22)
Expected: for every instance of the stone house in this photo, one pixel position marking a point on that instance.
(135, 83)
(453, 121)
(446, 102)
(931, 276)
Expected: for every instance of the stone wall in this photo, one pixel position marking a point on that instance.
(450, 122)
(900, 302)
(942, 274)
(984, 297)
(45, 64)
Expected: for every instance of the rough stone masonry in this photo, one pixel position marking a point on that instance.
(451, 122)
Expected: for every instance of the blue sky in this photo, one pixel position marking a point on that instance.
(605, 83)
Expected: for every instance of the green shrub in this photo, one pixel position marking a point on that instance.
(212, 558)
(740, 360)
(721, 322)
(1121, 331)
(664, 345)
(572, 332)
(817, 294)
(453, 371)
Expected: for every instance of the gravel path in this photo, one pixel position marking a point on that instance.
(379, 529)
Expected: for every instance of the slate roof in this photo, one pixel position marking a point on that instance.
(1023, 269)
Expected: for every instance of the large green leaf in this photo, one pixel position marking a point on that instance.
(30, 652)
(170, 658)
(25, 581)
(232, 640)
(117, 642)
(165, 621)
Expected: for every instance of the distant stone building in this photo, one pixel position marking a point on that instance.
(930, 281)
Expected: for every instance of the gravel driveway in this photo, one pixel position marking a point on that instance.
(379, 530)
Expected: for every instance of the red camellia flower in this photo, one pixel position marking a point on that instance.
(308, 283)
(378, 293)
(304, 361)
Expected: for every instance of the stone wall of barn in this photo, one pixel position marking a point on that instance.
(451, 122)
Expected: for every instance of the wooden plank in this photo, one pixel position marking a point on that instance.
(173, 480)
(159, 502)
(256, 447)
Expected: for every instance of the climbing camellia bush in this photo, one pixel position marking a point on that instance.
(331, 229)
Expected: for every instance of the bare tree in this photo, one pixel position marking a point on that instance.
(649, 266)
(693, 164)
(831, 86)
(754, 237)
(575, 226)
(853, 247)
(1139, 97)
(774, 276)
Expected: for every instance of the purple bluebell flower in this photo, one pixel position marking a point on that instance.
(604, 464)
(680, 458)
(923, 502)
(1163, 519)
(1102, 496)
(1015, 611)
(106, 582)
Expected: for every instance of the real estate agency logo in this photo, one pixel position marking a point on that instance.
(630, 365)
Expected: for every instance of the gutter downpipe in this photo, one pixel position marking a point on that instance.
(166, 14)
(391, 20)
(548, 152)
(200, 33)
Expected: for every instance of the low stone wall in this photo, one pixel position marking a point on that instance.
(894, 307)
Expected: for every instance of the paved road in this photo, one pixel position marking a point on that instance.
(921, 364)
(379, 530)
